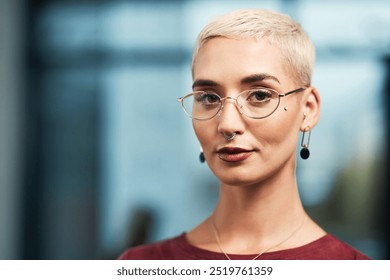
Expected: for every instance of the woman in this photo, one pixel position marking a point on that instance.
(251, 98)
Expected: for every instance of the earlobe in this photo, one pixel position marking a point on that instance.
(311, 108)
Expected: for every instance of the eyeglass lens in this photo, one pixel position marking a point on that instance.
(254, 103)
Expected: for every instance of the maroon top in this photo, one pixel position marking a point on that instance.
(177, 248)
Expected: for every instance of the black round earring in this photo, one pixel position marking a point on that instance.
(305, 153)
(202, 159)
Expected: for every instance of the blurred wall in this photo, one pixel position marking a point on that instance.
(11, 123)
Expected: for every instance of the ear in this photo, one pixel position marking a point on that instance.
(311, 108)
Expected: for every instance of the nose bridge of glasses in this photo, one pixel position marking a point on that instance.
(228, 97)
(234, 101)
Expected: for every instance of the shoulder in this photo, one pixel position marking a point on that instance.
(338, 249)
(161, 250)
(327, 247)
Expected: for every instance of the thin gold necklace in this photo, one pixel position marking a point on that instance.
(262, 252)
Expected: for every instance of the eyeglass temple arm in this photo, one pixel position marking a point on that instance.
(293, 91)
(180, 99)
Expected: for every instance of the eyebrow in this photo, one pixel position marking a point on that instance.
(247, 80)
(258, 78)
(204, 83)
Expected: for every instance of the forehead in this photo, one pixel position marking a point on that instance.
(229, 60)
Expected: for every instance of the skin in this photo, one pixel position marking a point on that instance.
(259, 204)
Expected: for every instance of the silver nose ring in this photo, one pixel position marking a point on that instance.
(229, 137)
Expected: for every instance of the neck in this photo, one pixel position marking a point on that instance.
(258, 216)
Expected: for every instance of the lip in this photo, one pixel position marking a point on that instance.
(234, 154)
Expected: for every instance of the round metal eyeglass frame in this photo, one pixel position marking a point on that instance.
(181, 99)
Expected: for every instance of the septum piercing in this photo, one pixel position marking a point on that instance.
(229, 137)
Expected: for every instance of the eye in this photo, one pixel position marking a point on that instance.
(207, 98)
(259, 96)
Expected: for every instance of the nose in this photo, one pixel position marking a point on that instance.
(230, 118)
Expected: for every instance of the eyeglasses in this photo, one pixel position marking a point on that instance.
(257, 103)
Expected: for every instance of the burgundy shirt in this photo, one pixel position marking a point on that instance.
(326, 248)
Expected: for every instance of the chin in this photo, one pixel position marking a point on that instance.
(246, 174)
(242, 177)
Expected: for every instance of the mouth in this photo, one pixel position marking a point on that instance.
(234, 154)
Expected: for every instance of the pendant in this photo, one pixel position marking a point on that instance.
(305, 153)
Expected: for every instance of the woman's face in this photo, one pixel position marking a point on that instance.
(268, 146)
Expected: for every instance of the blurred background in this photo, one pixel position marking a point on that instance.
(96, 154)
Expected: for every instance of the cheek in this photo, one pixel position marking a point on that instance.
(276, 132)
(202, 132)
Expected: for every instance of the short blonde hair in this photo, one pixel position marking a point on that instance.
(279, 29)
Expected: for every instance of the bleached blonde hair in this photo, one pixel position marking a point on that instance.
(278, 29)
